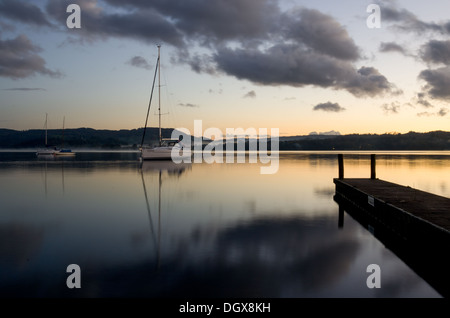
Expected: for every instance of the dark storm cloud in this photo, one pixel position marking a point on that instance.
(368, 81)
(301, 68)
(148, 25)
(214, 20)
(391, 47)
(320, 32)
(139, 61)
(24, 12)
(436, 52)
(19, 59)
(329, 107)
(251, 40)
(437, 82)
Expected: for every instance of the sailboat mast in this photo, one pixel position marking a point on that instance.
(159, 94)
(64, 119)
(150, 102)
(46, 129)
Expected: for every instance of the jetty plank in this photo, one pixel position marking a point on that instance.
(427, 206)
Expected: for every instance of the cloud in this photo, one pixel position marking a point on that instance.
(422, 101)
(147, 25)
(187, 105)
(213, 21)
(139, 61)
(247, 39)
(18, 59)
(437, 82)
(441, 113)
(436, 52)
(290, 64)
(392, 108)
(250, 94)
(368, 81)
(329, 107)
(198, 63)
(174, 22)
(392, 47)
(425, 103)
(320, 32)
(405, 20)
(6, 27)
(24, 89)
(425, 114)
(23, 12)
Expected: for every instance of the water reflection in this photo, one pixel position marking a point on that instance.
(424, 255)
(19, 242)
(159, 167)
(155, 229)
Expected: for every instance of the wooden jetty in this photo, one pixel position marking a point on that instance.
(414, 224)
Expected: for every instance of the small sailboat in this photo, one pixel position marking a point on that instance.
(47, 151)
(64, 151)
(163, 151)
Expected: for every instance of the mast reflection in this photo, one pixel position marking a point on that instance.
(159, 166)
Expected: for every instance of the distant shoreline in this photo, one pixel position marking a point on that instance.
(130, 140)
(281, 152)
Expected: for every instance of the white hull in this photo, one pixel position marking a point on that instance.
(157, 153)
(45, 152)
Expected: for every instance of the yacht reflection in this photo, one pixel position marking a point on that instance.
(169, 166)
(46, 177)
(159, 166)
(424, 256)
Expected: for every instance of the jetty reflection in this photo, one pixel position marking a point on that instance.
(425, 256)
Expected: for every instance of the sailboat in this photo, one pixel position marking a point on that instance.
(63, 151)
(163, 151)
(47, 151)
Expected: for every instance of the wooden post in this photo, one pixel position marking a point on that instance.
(372, 167)
(341, 217)
(341, 166)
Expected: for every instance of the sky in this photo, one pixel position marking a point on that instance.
(299, 66)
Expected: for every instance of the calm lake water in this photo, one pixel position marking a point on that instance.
(200, 230)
